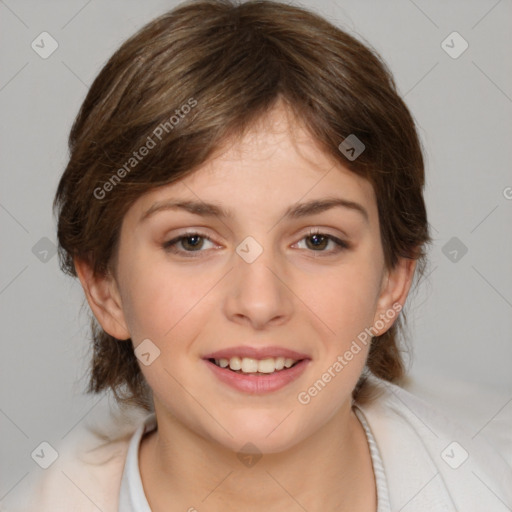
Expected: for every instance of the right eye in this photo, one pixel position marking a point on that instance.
(190, 242)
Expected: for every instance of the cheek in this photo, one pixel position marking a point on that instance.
(151, 300)
(347, 305)
(162, 305)
(344, 300)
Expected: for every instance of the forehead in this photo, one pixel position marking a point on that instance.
(274, 164)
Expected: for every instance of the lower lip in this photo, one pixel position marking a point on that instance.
(258, 384)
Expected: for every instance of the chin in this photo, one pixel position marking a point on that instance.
(260, 434)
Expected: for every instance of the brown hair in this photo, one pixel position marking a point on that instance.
(202, 74)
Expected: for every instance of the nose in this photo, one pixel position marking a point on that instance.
(257, 293)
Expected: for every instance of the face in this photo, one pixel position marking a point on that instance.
(273, 258)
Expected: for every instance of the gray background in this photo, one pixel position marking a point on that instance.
(460, 315)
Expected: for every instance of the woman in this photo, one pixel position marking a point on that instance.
(243, 206)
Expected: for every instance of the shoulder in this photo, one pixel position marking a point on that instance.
(86, 476)
(429, 459)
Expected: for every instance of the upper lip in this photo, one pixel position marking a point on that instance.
(256, 353)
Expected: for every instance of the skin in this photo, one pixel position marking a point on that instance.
(293, 295)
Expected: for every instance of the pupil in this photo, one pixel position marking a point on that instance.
(195, 244)
(318, 240)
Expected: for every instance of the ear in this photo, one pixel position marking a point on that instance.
(104, 300)
(395, 287)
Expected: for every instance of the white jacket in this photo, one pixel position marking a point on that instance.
(430, 463)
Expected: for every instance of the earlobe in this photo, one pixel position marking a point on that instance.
(395, 288)
(104, 300)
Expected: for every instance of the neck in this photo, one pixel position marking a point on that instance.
(330, 470)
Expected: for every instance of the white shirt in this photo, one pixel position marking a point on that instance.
(422, 461)
(133, 499)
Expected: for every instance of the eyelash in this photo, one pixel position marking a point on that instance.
(169, 246)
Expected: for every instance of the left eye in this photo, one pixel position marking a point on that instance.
(317, 242)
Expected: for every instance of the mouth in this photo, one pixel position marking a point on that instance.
(252, 366)
(257, 370)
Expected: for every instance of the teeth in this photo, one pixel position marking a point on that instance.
(250, 365)
(235, 363)
(266, 366)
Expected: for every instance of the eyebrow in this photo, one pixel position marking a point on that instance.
(295, 211)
